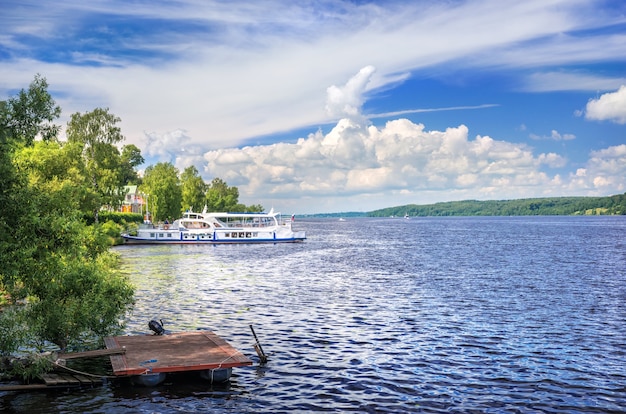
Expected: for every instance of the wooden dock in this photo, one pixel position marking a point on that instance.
(176, 352)
(62, 379)
(56, 380)
(142, 354)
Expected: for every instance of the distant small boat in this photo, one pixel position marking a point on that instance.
(342, 219)
(213, 228)
(406, 216)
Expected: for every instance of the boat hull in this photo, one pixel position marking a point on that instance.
(128, 239)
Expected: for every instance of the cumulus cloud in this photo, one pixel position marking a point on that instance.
(401, 158)
(175, 147)
(346, 101)
(604, 172)
(165, 146)
(608, 107)
(402, 161)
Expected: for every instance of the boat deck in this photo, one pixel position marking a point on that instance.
(176, 352)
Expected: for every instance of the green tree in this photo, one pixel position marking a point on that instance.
(221, 197)
(162, 184)
(98, 134)
(131, 159)
(57, 170)
(254, 208)
(59, 284)
(31, 113)
(193, 189)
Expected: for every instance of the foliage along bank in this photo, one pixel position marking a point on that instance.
(60, 285)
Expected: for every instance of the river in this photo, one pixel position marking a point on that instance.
(495, 314)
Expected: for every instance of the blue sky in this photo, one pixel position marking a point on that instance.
(331, 106)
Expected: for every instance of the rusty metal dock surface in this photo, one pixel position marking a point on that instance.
(176, 352)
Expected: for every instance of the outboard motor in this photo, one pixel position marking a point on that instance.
(156, 327)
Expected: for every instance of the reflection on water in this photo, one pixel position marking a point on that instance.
(390, 315)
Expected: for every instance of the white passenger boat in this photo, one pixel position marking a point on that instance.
(219, 228)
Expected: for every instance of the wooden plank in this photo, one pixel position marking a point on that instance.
(87, 380)
(53, 378)
(118, 362)
(92, 354)
(23, 387)
(227, 349)
(186, 351)
(56, 380)
(50, 378)
(69, 379)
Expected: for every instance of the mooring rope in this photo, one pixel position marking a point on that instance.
(75, 371)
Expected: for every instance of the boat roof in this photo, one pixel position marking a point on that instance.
(227, 214)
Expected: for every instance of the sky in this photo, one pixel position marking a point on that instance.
(336, 106)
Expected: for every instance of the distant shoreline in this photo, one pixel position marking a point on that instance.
(549, 206)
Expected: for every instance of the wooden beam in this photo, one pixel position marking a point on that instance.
(23, 387)
(92, 354)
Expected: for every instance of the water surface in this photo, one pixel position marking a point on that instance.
(521, 314)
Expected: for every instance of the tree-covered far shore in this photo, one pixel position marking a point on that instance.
(550, 206)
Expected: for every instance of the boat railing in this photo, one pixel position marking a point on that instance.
(144, 226)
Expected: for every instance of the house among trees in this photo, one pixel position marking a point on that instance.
(133, 200)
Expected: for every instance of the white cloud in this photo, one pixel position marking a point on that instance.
(166, 146)
(610, 161)
(608, 107)
(552, 160)
(603, 174)
(346, 101)
(245, 70)
(571, 81)
(554, 136)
